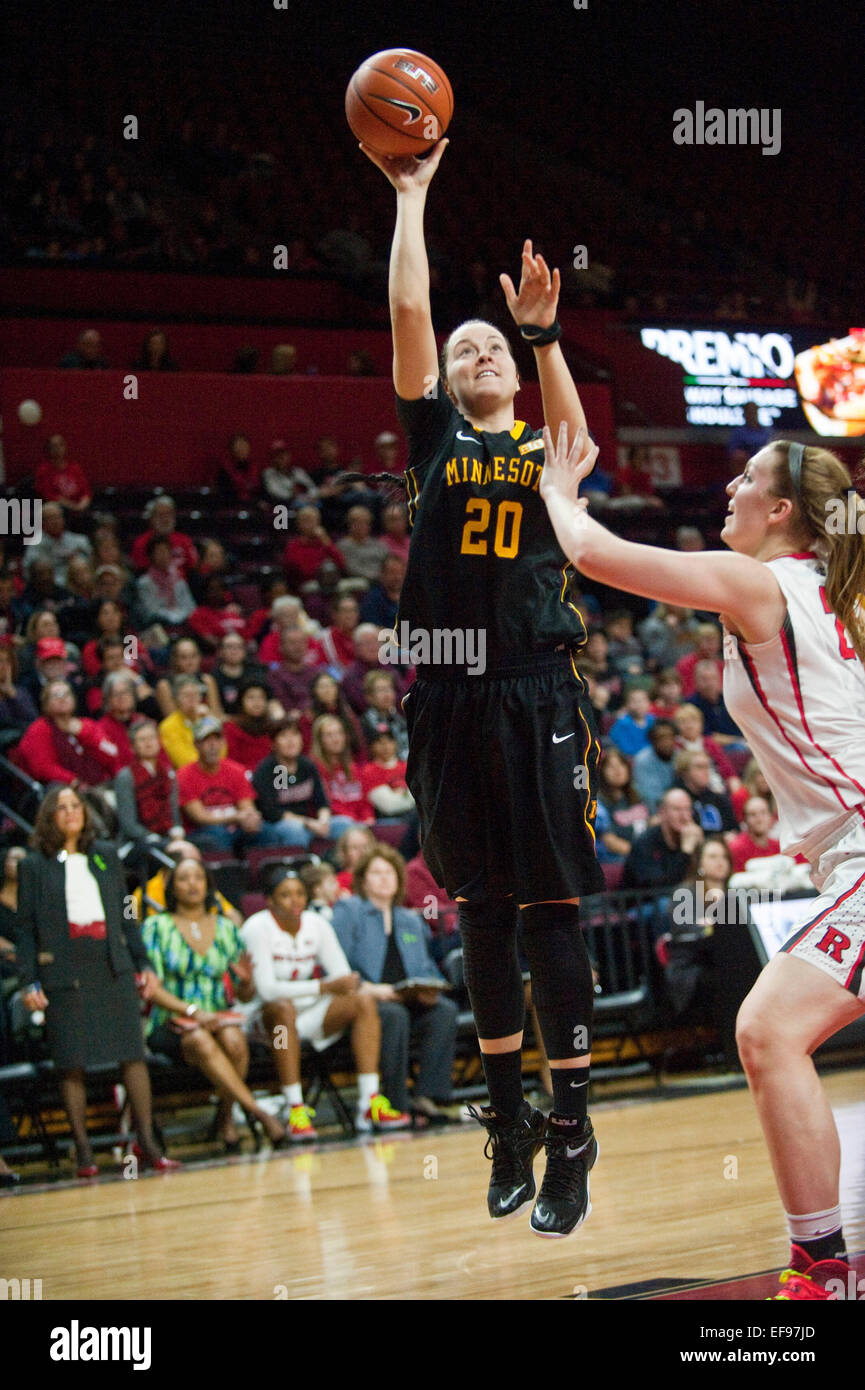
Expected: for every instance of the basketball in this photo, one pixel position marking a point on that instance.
(29, 412)
(399, 102)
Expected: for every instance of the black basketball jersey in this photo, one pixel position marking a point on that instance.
(484, 555)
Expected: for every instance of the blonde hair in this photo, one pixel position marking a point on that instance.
(824, 479)
(687, 708)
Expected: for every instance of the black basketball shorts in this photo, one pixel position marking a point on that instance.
(503, 768)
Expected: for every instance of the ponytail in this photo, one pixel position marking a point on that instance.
(394, 482)
(822, 506)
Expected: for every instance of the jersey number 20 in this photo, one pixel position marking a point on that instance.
(506, 541)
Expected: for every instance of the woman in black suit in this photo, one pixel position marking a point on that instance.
(78, 953)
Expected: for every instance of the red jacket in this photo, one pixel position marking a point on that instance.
(302, 557)
(51, 756)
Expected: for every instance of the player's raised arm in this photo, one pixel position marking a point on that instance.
(535, 305)
(738, 586)
(415, 360)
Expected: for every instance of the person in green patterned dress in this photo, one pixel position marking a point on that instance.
(192, 947)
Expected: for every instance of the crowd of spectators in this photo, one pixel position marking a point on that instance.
(193, 711)
(214, 183)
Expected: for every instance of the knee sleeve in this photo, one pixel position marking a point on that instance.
(492, 973)
(562, 988)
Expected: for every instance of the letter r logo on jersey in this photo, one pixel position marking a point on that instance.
(834, 944)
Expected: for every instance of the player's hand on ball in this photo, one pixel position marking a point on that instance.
(538, 296)
(564, 468)
(406, 173)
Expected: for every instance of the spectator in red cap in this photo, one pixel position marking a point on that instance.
(61, 480)
(282, 481)
(52, 663)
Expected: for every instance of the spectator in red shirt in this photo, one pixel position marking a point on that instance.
(428, 897)
(753, 784)
(217, 798)
(339, 773)
(216, 615)
(287, 612)
(61, 480)
(708, 649)
(271, 589)
(60, 747)
(384, 785)
(336, 643)
(162, 515)
(247, 734)
(119, 715)
(308, 548)
(755, 841)
(634, 482)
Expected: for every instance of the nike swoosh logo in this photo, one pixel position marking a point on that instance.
(414, 113)
(564, 738)
(575, 1085)
(469, 438)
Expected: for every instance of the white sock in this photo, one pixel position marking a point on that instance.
(293, 1093)
(367, 1087)
(813, 1224)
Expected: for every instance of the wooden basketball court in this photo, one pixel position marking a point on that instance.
(683, 1203)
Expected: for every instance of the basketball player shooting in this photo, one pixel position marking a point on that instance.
(794, 644)
(502, 763)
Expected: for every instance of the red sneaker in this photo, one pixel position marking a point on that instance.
(380, 1115)
(813, 1279)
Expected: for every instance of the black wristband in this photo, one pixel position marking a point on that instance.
(535, 336)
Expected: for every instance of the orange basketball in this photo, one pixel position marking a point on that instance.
(399, 102)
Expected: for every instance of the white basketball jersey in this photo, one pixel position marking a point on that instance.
(800, 702)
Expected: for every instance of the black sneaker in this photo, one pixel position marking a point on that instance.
(564, 1201)
(512, 1145)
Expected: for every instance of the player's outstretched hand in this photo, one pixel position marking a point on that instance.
(407, 174)
(538, 296)
(564, 468)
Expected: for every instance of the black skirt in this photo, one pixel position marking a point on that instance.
(96, 1021)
